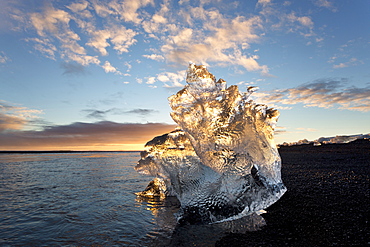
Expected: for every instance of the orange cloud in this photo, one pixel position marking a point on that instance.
(15, 117)
(97, 136)
(11, 122)
(324, 93)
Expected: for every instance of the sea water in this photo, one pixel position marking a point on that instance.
(77, 199)
(87, 199)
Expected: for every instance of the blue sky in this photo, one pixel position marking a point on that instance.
(96, 75)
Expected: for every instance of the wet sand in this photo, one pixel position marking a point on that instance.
(327, 202)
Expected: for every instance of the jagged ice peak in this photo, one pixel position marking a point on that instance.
(223, 164)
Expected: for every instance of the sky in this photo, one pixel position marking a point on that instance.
(96, 75)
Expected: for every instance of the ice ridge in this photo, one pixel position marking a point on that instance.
(222, 163)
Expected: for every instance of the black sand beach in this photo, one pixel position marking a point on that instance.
(327, 202)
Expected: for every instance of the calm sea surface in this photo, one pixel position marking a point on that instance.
(76, 199)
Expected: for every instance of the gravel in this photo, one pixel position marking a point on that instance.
(327, 202)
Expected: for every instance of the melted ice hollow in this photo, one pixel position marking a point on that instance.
(222, 163)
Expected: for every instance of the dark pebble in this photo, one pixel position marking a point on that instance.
(327, 202)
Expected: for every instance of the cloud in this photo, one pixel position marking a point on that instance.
(279, 130)
(7, 9)
(98, 114)
(9, 122)
(219, 40)
(44, 46)
(128, 9)
(99, 41)
(155, 57)
(108, 68)
(293, 23)
(73, 69)
(351, 62)
(340, 65)
(57, 36)
(56, 22)
(51, 21)
(128, 65)
(78, 7)
(84, 136)
(121, 38)
(198, 31)
(307, 129)
(303, 20)
(326, 4)
(3, 58)
(150, 80)
(102, 114)
(324, 93)
(276, 17)
(157, 21)
(263, 2)
(140, 111)
(172, 80)
(15, 117)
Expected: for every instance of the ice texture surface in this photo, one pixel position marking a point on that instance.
(222, 163)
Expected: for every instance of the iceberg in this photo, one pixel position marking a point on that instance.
(222, 162)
